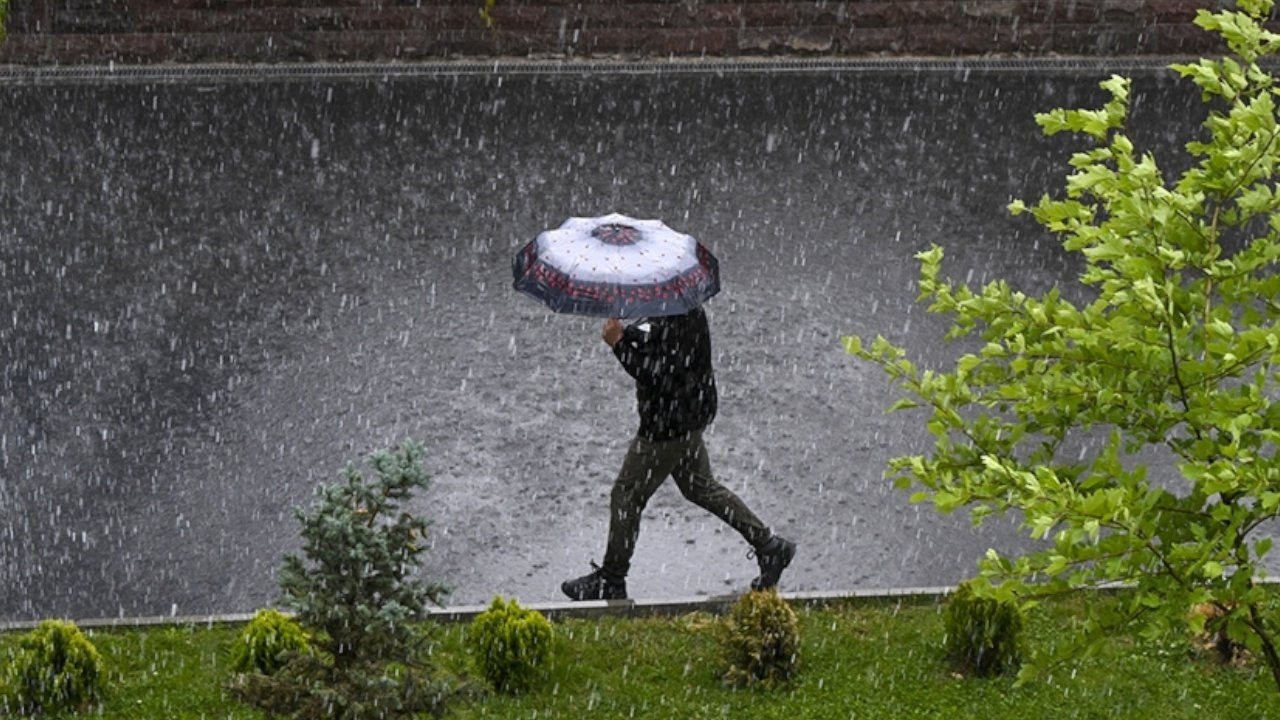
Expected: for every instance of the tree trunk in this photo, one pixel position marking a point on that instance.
(1268, 646)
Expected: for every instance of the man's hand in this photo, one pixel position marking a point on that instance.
(612, 332)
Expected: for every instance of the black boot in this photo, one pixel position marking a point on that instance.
(596, 585)
(773, 557)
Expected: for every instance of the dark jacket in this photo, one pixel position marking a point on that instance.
(670, 359)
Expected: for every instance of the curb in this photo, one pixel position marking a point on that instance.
(589, 609)
(259, 72)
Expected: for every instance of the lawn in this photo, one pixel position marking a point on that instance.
(869, 659)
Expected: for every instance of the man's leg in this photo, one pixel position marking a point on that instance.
(646, 465)
(773, 553)
(693, 476)
(644, 469)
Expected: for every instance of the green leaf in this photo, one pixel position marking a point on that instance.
(1261, 548)
(902, 404)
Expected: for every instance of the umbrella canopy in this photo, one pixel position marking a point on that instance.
(616, 266)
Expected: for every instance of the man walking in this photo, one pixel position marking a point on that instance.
(670, 359)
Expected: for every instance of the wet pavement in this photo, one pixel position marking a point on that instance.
(214, 294)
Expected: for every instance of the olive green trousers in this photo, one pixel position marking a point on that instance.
(646, 467)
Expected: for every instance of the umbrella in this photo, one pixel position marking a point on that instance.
(616, 266)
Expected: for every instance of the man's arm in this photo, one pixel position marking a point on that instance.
(637, 348)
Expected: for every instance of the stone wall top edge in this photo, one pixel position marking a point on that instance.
(263, 72)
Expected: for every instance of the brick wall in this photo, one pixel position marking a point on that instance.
(147, 31)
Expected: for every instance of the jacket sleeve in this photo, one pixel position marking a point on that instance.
(642, 353)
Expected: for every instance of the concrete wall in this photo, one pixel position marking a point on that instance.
(49, 32)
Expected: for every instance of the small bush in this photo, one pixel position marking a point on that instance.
(510, 644)
(984, 636)
(760, 640)
(55, 667)
(267, 642)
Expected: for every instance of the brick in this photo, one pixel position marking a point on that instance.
(933, 40)
(242, 5)
(647, 15)
(1096, 40)
(722, 15)
(996, 10)
(709, 41)
(1034, 39)
(761, 40)
(966, 13)
(443, 43)
(872, 15)
(611, 40)
(520, 17)
(795, 14)
(302, 19)
(902, 14)
(860, 40)
(91, 16)
(1183, 39)
(1061, 11)
(649, 42)
(84, 49)
(1120, 10)
(1173, 11)
(812, 41)
(29, 17)
(521, 43)
(790, 40)
(314, 46)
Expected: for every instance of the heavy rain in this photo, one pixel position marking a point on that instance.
(215, 292)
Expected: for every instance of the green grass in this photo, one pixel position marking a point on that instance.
(864, 660)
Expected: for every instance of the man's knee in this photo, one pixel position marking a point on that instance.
(698, 489)
(628, 492)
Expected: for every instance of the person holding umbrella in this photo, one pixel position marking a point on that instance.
(619, 267)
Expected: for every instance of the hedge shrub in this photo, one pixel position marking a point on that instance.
(55, 667)
(760, 641)
(266, 643)
(984, 636)
(510, 645)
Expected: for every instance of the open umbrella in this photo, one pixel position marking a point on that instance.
(616, 266)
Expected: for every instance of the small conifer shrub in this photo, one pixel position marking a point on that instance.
(55, 667)
(510, 644)
(760, 641)
(267, 642)
(354, 589)
(984, 636)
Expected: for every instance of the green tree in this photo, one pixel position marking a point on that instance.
(356, 593)
(1175, 352)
